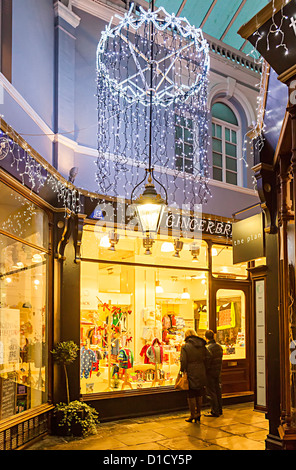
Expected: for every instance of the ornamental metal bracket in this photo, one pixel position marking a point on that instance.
(64, 224)
(77, 235)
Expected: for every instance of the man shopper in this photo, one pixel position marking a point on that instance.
(214, 375)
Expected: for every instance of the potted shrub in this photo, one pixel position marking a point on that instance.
(74, 417)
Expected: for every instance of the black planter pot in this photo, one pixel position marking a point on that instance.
(64, 430)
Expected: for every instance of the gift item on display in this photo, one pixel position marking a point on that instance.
(155, 352)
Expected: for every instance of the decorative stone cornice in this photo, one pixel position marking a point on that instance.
(66, 13)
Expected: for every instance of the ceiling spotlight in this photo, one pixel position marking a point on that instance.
(113, 240)
(147, 243)
(195, 250)
(158, 288)
(178, 244)
(185, 294)
(36, 258)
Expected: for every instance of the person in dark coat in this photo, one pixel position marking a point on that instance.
(194, 358)
(214, 375)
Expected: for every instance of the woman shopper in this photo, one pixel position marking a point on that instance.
(194, 360)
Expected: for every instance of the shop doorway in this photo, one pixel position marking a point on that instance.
(230, 320)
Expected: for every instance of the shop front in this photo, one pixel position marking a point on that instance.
(25, 240)
(137, 301)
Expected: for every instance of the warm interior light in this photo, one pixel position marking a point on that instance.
(195, 250)
(36, 282)
(36, 258)
(158, 288)
(167, 247)
(178, 245)
(214, 252)
(185, 294)
(8, 280)
(105, 242)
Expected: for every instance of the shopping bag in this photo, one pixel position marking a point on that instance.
(182, 381)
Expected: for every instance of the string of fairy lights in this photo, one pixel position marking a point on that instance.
(275, 33)
(34, 174)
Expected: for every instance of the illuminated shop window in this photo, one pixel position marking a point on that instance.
(96, 245)
(134, 317)
(22, 218)
(223, 266)
(231, 323)
(225, 138)
(23, 305)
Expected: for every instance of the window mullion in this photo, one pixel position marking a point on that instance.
(223, 153)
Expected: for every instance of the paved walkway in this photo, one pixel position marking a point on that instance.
(240, 428)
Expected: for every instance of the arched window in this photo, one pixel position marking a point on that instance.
(225, 139)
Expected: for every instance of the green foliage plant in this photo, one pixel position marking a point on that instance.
(74, 412)
(78, 412)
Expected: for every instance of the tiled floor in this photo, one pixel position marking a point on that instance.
(240, 428)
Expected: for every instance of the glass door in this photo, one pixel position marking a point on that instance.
(230, 322)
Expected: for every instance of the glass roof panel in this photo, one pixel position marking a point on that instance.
(247, 12)
(196, 10)
(220, 16)
(171, 6)
(223, 12)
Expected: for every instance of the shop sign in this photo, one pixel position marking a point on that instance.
(179, 222)
(248, 239)
(197, 224)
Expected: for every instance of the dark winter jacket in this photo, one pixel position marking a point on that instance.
(194, 360)
(215, 364)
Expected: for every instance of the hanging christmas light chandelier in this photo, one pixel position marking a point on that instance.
(168, 87)
(152, 72)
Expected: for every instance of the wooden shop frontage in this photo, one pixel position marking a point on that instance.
(137, 300)
(89, 275)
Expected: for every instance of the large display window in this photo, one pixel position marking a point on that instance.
(133, 321)
(136, 308)
(24, 256)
